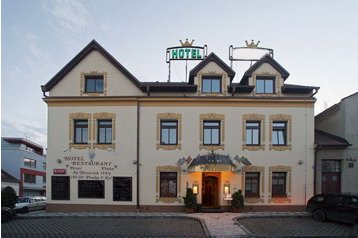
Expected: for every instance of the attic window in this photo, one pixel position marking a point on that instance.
(94, 84)
(211, 85)
(265, 85)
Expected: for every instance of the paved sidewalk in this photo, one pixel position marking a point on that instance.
(214, 224)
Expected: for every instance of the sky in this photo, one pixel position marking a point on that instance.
(315, 41)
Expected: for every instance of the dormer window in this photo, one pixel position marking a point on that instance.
(211, 85)
(94, 84)
(265, 85)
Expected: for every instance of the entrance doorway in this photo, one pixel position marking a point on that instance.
(210, 190)
(331, 176)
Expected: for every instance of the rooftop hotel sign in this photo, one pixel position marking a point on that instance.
(186, 52)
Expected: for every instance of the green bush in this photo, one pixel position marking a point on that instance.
(190, 199)
(8, 197)
(237, 200)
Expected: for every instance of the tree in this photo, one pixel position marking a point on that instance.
(190, 199)
(8, 197)
(237, 200)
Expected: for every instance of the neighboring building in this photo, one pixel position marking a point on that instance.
(337, 147)
(9, 180)
(115, 143)
(24, 160)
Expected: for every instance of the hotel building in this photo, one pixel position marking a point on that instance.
(118, 144)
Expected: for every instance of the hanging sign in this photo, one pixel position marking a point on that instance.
(186, 52)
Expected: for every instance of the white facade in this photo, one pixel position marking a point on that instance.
(127, 105)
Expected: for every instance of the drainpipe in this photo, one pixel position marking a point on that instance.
(316, 149)
(138, 164)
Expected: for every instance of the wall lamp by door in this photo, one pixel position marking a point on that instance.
(195, 188)
(226, 188)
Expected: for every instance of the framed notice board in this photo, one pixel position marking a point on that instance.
(60, 187)
(91, 188)
(122, 188)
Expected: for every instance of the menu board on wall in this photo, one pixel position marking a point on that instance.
(91, 188)
(122, 188)
(60, 187)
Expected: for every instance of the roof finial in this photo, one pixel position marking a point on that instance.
(252, 44)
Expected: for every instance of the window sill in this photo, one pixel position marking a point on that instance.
(212, 94)
(104, 146)
(211, 147)
(93, 94)
(168, 200)
(79, 146)
(169, 147)
(254, 200)
(253, 147)
(283, 199)
(280, 147)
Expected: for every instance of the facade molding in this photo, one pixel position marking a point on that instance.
(93, 73)
(168, 168)
(169, 116)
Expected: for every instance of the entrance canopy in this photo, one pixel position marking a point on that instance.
(212, 162)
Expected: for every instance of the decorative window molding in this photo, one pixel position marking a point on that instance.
(71, 140)
(169, 116)
(253, 117)
(168, 168)
(99, 116)
(276, 87)
(257, 169)
(93, 73)
(288, 171)
(212, 117)
(212, 74)
(288, 120)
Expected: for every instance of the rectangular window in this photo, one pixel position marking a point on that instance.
(31, 163)
(81, 131)
(90, 188)
(30, 178)
(252, 133)
(168, 184)
(279, 133)
(94, 84)
(211, 132)
(122, 188)
(44, 179)
(44, 166)
(265, 85)
(60, 187)
(278, 184)
(169, 132)
(104, 131)
(252, 184)
(329, 166)
(211, 85)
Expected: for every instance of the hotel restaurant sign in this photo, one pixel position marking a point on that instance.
(186, 52)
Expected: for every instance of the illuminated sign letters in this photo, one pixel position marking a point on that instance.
(185, 53)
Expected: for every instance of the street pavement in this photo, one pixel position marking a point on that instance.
(114, 224)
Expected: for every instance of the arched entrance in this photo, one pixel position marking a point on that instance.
(210, 190)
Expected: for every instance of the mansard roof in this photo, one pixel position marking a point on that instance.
(265, 59)
(177, 87)
(93, 45)
(291, 88)
(211, 58)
